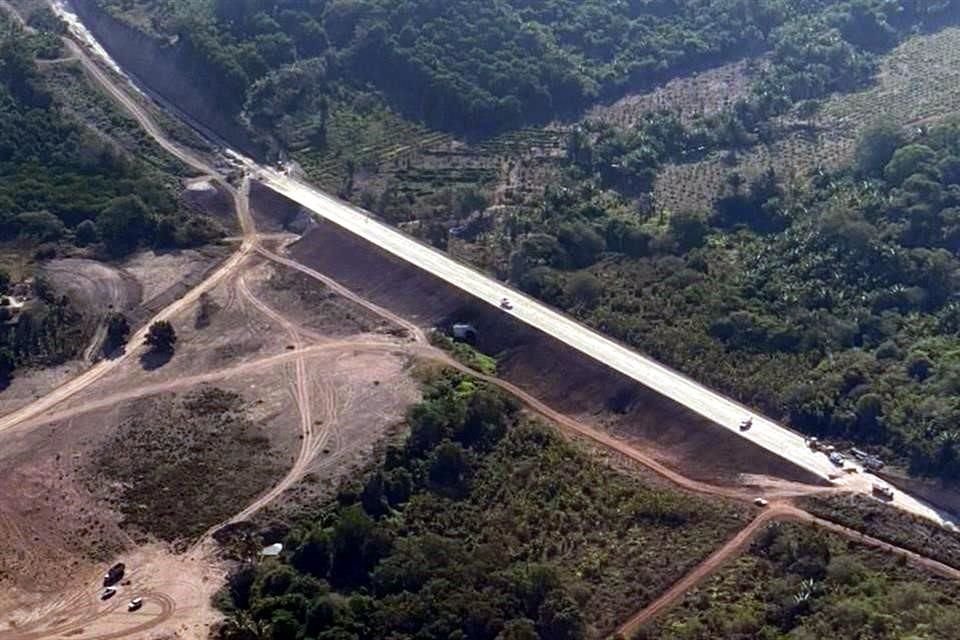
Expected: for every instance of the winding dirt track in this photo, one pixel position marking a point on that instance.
(782, 511)
(40, 411)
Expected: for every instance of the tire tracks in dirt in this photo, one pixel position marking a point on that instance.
(250, 244)
(303, 404)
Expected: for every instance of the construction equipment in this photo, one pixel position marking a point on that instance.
(746, 424)
(883, 492)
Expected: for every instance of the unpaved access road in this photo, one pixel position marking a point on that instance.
(777, 511)
(719, 409)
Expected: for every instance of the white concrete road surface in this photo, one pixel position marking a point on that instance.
(696, 397)
(715, 407)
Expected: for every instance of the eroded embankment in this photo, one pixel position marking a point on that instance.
(172, 71)
(559, 375)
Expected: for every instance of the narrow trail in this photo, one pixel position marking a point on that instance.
(775, 512)
(40, 411)
(704, 570)
(415, 331)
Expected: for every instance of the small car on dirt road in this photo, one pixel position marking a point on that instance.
(135, 604)
(760, 502)
(108, 593)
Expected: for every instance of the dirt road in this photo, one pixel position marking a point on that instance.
(303, 385)
(135, 343)
(778, 511)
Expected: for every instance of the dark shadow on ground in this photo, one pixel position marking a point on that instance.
(155, 359)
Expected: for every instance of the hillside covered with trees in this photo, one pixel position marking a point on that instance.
(66, 186)
(476, 68)
(479, 525)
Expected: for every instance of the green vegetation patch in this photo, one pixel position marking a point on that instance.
(798, 583)
(888, 523)
(181, 465)
(465, 354)
(480, 525)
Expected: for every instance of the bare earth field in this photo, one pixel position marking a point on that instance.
(135, 287)
(152, 457)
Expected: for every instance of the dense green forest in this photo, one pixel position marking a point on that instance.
(802, 584)
(67, 186)
(481, 67)
(833, 305)
(480, 525)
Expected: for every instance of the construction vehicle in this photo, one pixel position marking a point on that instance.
(883, 492)
(114, 574)
(760, 502)
(506, 304)
(746, 424)
(837, 459)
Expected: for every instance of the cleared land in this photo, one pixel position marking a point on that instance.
(917, 85)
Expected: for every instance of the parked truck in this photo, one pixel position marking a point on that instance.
(114, 574)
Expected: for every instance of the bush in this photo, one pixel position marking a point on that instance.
(161, 337)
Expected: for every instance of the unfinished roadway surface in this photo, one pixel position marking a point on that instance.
(724, 412)
(697, 398)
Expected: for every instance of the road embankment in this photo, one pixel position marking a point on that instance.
(560, 376)
(171, 71)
